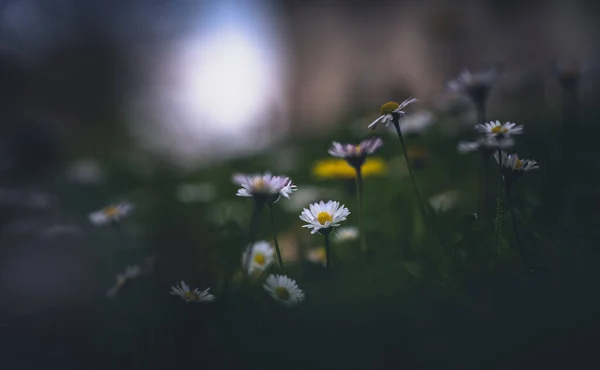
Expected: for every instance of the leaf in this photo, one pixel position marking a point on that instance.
(413, 268)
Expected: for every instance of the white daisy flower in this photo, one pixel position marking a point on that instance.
(324, 216)
(112, 213)
(345, 234)
(261, 256)
(498, 129)
(486, 145)
(183, 290)
(444, 201)
(416, 123)
(317, 256)
(267, 188)
(389, 111)
(355, 155)
(476, 85)
(284, 290)
(514, 167)
(131, 272)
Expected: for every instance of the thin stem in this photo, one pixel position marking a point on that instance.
(499, 213)
(361, 209)
(327, 250)
(279, 259)
(252, 234)
(414, 181)
(514, 220)
(483, 186)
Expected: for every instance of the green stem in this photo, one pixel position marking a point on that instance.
(252, 234)
(279, 259)
(499, 213)
(414, 182)
(327, 249)
(483, 186)
(514, 220)
(361, 209)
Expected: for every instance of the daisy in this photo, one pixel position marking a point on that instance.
(486, 145)
(416, 123)
(112, 213)
(131, 272)
(514, 167)
(317, 256)
(499, 130)
(391, 112)
(324, 216)
(261, 256)
(284, 290)
(476, 85)
(355, 155)
(345, 234)
(183, 290)
(266, 188)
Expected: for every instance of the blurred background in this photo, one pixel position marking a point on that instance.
(159, 102)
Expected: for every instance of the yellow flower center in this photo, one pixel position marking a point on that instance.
(260, 259)
(282, 293)
(499, 130)
(323, 217)
(357, 149)
(191, 296)
(389, 107)
(111, 211)
(518, 164)
(259, 184)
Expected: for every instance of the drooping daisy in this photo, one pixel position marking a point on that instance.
(284, 290)
(261, 256)
(499, 130)
(514, 167)
(391, 111)
(475, 85)
(355, 155)
(183, 290)
(345, 234)
(324, 216)
(266, 188)
(112, 213)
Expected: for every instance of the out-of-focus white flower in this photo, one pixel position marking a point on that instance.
(390, 110)
(261, 256)
(514, 167)
(317, 256)
(193, 193)
(266, 188)
(499, 130)
(355, 155)
(345, 234)
(86, 172)
(476, 85)
(112, 213)
(324, 216)
(416, 123)
(183, 290)
(131, 272)
(444, 201)
(37, 200)
(284, 290)
(486, 145)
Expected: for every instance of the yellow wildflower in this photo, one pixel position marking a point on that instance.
(337, 168)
